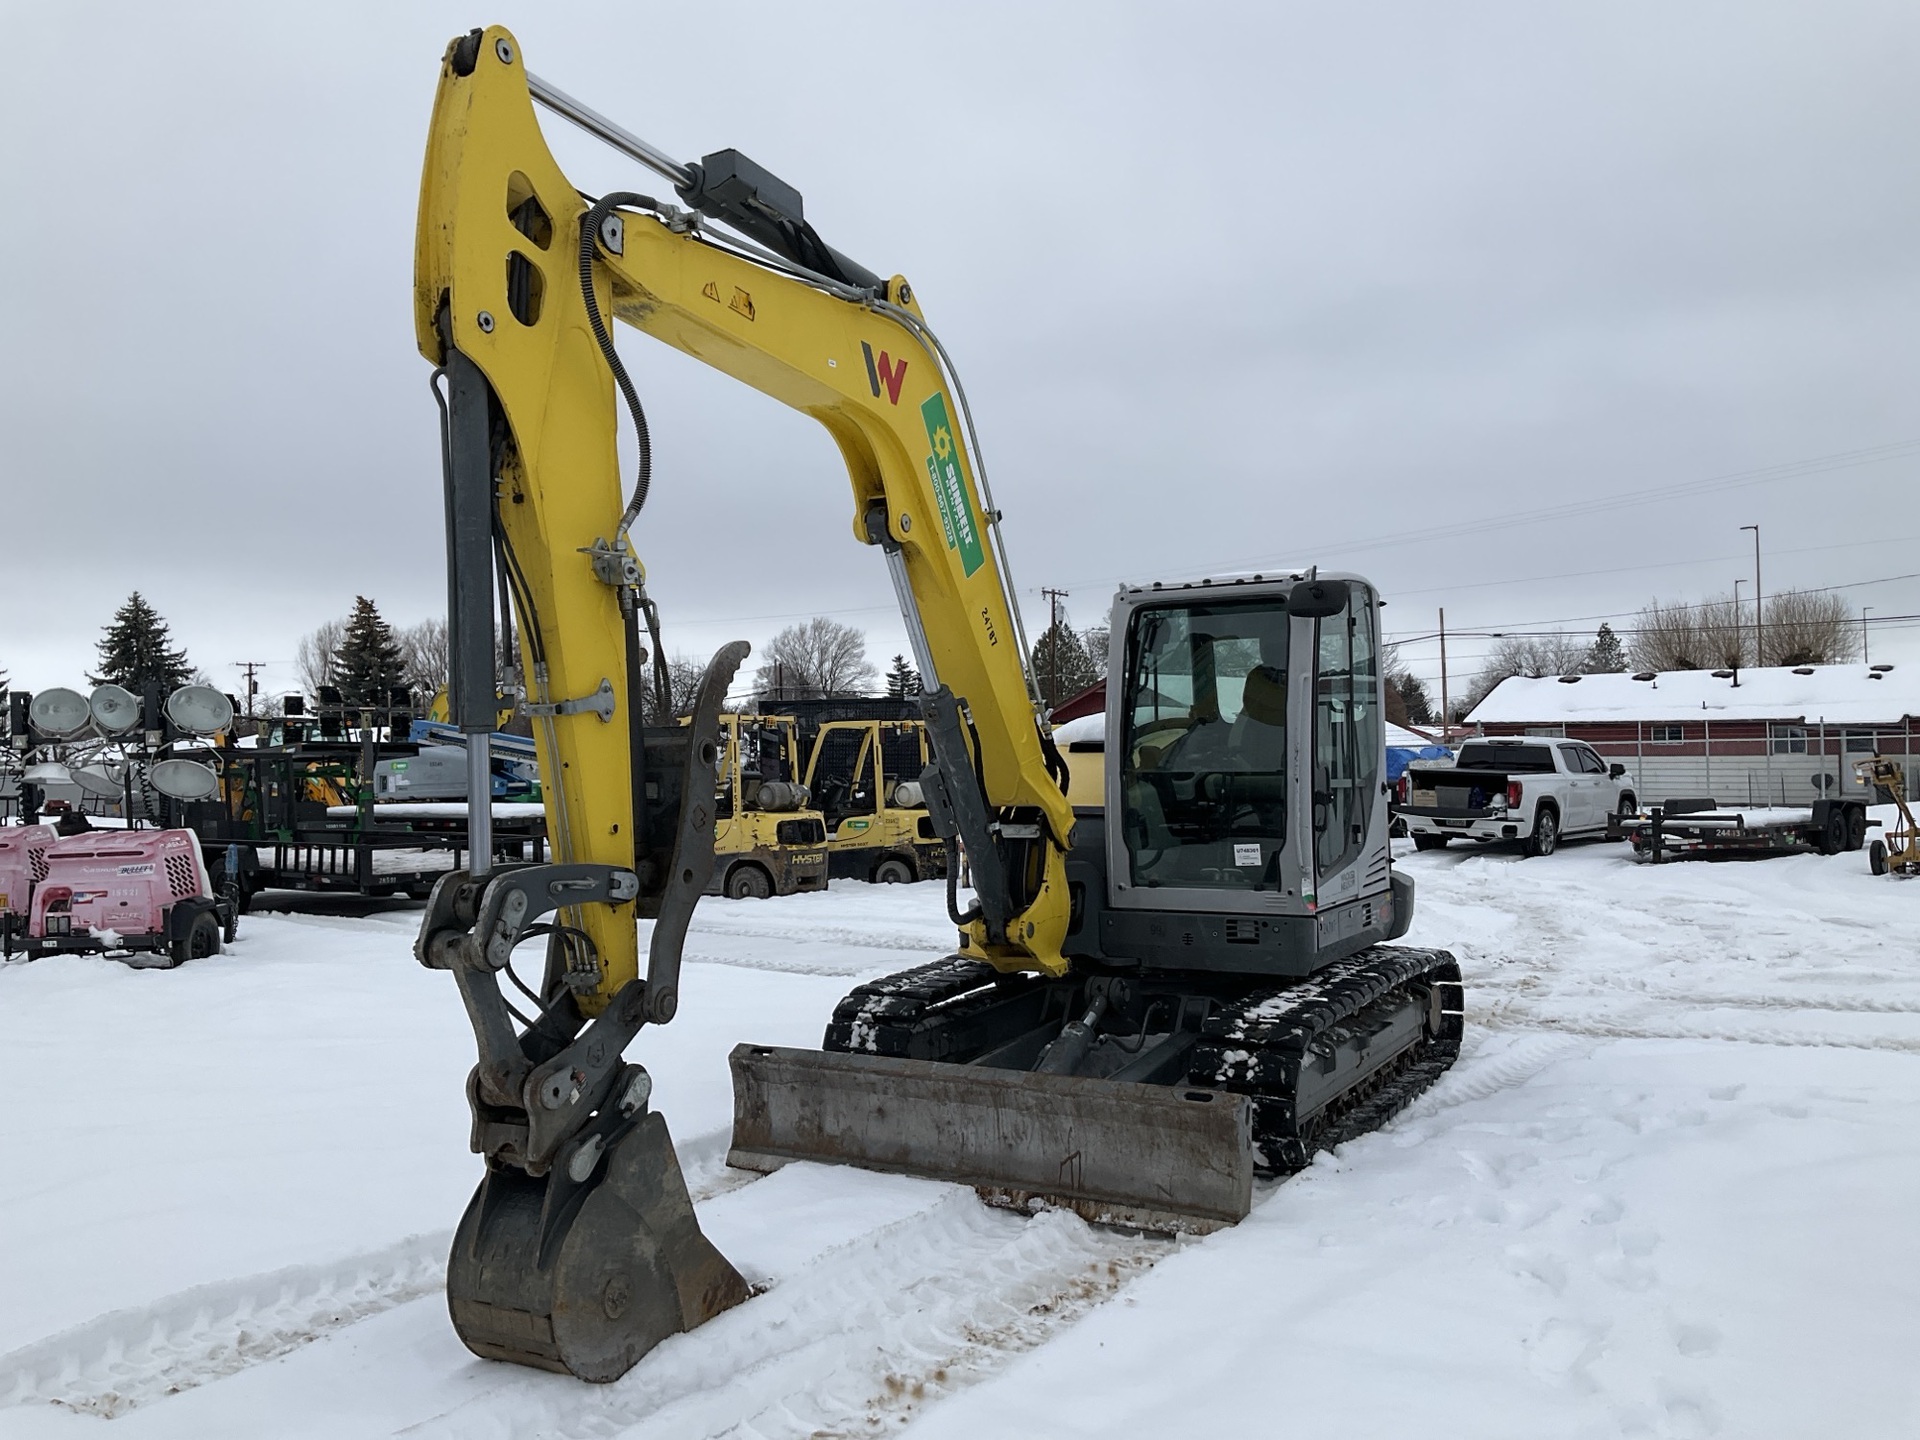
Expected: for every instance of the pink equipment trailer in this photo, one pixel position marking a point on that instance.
(23, 864)
(128, 890)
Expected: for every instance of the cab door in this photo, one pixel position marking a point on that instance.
(1349, 802)
(1582, 789)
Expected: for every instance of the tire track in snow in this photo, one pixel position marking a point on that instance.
(110, 1364)
(1511, 1015)
(860, 939)
(1607, 986)
(855, 1342)
(1473, 1078)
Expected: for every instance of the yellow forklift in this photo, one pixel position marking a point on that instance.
(864, 774)
(766, 838)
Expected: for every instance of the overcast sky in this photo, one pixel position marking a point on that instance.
(1229, 287)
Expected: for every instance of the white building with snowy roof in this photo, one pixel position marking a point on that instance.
(1775, 735)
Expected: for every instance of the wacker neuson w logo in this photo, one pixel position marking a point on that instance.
(886, 371)
(949, 489)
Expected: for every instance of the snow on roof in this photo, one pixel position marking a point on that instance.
(1399, 738)
(1082, 728)
(1835, 694)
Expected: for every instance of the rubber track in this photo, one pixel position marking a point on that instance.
(1256, 1046)
(875, 1018)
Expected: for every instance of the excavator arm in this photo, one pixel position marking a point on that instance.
(580, 1250)
(516, 277)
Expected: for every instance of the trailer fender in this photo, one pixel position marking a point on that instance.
(180, 916)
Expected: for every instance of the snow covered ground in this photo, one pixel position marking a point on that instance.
(1669, 1190)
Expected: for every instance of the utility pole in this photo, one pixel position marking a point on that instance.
(252, 667)
(1054, 597)
(1446, 711)
(1866, 655)
(1759, 631)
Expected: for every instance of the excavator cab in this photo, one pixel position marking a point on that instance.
(1230, 1004)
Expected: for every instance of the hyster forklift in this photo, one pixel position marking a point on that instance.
(864, 761)
(1150, 1000)
(768, 839)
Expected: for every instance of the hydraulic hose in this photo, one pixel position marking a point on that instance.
(589, 234)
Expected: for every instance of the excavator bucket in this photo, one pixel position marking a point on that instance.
(581, 1251)
(1154, 1156)
(586, 1279)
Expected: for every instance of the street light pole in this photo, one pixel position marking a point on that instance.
(1736, 614)
(1866, 655)
(1759, 624)
(1738, 644)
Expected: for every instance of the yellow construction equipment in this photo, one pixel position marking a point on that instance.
(1899, 852)
(865, 777)
(768, 838)
(1151, 997)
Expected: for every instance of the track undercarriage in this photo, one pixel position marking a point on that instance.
(1149, 1100)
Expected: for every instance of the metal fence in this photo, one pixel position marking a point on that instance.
(1746, 771)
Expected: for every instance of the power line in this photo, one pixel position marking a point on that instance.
(1733, 480)
(1711, 484)
(1523, 626)
(1656, 565)
(253, 669)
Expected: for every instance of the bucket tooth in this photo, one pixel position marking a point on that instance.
(586, 1278)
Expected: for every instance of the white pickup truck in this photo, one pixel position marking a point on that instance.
(1527, 788)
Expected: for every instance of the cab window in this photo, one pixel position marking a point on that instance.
(1204, 766)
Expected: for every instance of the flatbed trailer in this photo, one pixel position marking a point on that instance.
(279, 822)
(1704, 829)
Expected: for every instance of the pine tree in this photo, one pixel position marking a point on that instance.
(1407, 700)
(1061, 664)
(903, 681)
(1606, 656)
(368, 665)
(136, 651)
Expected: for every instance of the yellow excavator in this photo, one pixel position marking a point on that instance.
(1151, 998)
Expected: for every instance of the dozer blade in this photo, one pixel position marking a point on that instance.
(586, 1278)
(1154, 1156)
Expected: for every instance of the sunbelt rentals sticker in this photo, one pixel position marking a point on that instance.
(949, 489)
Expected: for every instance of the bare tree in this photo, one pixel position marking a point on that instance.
(1806, 627)
(816, 657)
(684, 673)
(1531, 655)
(1667, 635)
(1723, 640)
(425, 653)
(1803, 627)
(314, 657)
(1094, 638)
